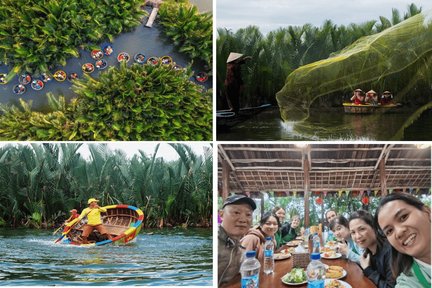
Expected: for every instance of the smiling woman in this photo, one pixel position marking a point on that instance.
(399, 216)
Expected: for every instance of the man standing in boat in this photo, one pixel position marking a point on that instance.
(233, 80)
(94, 220)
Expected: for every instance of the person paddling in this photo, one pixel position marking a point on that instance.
(94, 220)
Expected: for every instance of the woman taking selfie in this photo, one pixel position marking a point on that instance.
(376, 259)
(406, 222)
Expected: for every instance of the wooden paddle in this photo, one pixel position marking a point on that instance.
(58, 229)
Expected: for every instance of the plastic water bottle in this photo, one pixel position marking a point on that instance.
(315, 272)
(316, 243)
(250, 270)
(268, 256)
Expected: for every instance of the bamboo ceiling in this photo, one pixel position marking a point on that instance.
(322, 167)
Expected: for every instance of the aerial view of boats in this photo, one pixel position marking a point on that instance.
(310, 68)
(89, 42)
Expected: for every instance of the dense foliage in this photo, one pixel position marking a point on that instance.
(277, 54)
(141, 102)
(190, 30)
(42, 182)
(37, 35)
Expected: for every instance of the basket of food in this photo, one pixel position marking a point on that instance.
(300, 259)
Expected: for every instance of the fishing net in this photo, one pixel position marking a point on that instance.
(398, 59)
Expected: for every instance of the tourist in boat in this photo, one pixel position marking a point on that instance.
(94, 220)
(372, 97)
(233, 81)
(256, 237)
(376, 259)
(340, 228)
(358, 97)
(74, 215)
(406, 222)
(236, 217)
(2, 78)
(386, 98)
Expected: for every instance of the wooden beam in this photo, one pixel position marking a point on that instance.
(306, 189)
(383, 177)
(225, 156)
(225, 179)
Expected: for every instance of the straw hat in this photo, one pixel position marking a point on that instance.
(371, 92)
(234, 56)
(386, 92)
(358, 90)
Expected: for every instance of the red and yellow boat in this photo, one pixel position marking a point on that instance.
(123, 223)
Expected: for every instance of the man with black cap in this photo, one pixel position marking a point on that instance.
(236, 217)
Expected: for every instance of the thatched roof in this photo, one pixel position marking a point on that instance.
(323, 167)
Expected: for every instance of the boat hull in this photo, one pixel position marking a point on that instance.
(122, 222)
(351, 108)
(227, 119)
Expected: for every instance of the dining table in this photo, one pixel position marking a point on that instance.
(354, 275)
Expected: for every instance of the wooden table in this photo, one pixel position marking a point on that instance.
(354, 276)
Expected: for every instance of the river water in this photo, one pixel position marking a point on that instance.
(169, 257)
(148, 41)
(328, 125)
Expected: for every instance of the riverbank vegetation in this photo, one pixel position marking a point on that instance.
(140, 102)
(42, 182)
(191, 31)
(36, 36)
(280, 52)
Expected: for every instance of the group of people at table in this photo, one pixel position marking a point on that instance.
(371, 98)
(393, 247)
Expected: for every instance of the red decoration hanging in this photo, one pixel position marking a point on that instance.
(319, 201)
(365, 200)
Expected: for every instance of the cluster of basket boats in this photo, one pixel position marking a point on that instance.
(88, 68)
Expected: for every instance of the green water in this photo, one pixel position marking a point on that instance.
(169, 257)
(331, 124)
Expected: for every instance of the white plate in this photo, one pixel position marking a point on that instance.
(336, 256)
(293, 284)
(345, 284)
(344, 273)
(281, 256)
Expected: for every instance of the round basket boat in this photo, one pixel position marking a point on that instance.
(201, 77)
(60, 75)
(177, 67)
(122, 222)
(88, 68)
(25, 79)
(97, 54)
(123, 56)
(139, 58)
(46, 77)
(166, 60)
(37, 84)
(107, 49)
(153, 61)
(101, 64)
(3, 79)
(19, 89)
(72, 76)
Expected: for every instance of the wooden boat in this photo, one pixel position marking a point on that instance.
(123, 223)
(3, 79)
(107, 49)
(88, 68)
(96, 54)
(227, 119)
(166, 60)
(101, 64)
(123, 56)
(139, 58)
(37, 84)
(352, 108)
(201, 77)
(153, 61)
(19, 89)
(25, 79)
(60, 75)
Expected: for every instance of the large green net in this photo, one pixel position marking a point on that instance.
(398, 59)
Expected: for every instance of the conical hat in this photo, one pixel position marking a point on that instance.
(233, 56)
(371, 92)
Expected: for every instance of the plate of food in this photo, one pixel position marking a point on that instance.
(294, 243)
(331, 255)
(336, 284)
(326, 249)
(335, 272)
(283, 254)
(297, 276)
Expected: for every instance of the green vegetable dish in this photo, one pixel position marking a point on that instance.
(296, 275)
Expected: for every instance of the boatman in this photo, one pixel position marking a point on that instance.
(233, 81)
(74, 215)
(236, 217)
(94, 220)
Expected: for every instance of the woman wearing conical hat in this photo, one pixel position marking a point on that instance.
(372, 97)
(233, 80)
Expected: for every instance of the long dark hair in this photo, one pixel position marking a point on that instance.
(400, 262)
(369, 220)
(266, 216)
(341, 220)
